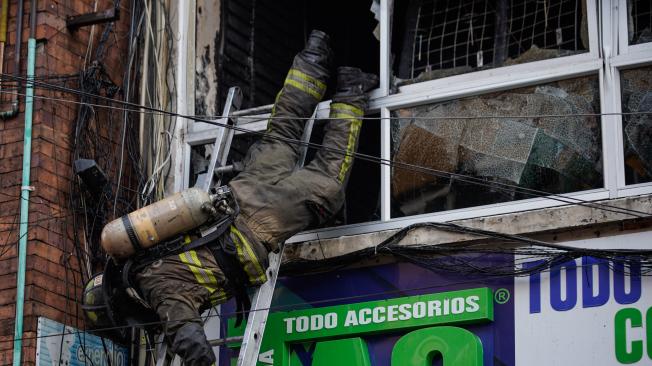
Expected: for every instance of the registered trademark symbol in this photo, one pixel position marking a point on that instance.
(501, 296)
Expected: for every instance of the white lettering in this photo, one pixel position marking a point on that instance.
(376, 315)
(331, 320)
(472, 304)
(404, 309)
(419, 310)
(365, 316)
(351, 319)
(392, 312)
(458, 305)
(316, 322)
(302, 324)
(447, 305)
(288, 325)
(434, 308)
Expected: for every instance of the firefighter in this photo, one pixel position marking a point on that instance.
(275, 201)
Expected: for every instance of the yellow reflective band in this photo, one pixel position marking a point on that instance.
(353, 134)
(304, 88)
(200, 275)
(218, 297)
(321, 86)
(342, 107)
(208, 273)
(254, 260)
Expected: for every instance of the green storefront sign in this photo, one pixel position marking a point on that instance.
(338, 330)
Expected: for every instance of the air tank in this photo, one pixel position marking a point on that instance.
(157, 222)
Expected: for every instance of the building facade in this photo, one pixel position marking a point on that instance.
(499, 212)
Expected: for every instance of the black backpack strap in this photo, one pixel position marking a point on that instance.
(237, 279)
(177, 246)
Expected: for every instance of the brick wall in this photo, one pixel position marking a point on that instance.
(53, 274)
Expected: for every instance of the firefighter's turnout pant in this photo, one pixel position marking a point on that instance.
(275, 201)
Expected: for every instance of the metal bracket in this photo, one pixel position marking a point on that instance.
(98, 17)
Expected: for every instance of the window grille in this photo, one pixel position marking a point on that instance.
(449, 37)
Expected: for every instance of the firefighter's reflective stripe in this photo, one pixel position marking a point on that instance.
(351, 114)
(204, 276)
(247, 258)
(308, 80)
(305, 83)
(200, 273)
(342, 107)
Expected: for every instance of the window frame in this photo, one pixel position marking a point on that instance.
(599, 61)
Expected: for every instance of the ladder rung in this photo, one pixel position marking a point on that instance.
(222, 341)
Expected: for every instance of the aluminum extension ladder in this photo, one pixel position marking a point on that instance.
(262, 299)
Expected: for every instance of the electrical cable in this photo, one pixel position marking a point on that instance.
(136, 108)
(300, 305)
(388, 246)
(424, 170)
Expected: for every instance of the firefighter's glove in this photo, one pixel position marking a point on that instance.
(191, 345)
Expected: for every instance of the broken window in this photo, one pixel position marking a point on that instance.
(439, 38)
(261, 37)
(639, 21)
(636, 96)
(541, 139)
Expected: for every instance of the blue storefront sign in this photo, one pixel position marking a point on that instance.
(59, 344)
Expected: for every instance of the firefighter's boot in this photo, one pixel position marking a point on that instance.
(318, 50)
(353, 86)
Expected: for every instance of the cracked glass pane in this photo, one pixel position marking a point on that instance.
(544, 140)
(636, 95)
(439, 38)
(639, 21)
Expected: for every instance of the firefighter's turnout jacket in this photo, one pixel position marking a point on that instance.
(275, 201)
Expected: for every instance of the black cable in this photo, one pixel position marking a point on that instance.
(536, 269)
(412, 167)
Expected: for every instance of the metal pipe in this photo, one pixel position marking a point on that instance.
(13, 111)
(3, 33)
(24, 190)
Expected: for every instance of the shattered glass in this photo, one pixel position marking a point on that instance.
(636, 96)
(544, 138)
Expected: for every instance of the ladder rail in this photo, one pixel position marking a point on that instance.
(262, 299)
(222, 142)
(221, 148)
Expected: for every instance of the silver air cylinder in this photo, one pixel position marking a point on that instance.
(157, 222)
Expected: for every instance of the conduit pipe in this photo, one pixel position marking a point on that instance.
(4, 9)
(25, 188)
(13, 111)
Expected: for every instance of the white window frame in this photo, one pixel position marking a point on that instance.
(627, 57)
(600, 61)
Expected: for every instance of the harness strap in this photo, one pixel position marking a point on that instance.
(223, 249)
(237, 280)
(131, 233)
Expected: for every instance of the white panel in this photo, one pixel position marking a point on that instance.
(579, 336)
(385, 169)
(486, 81)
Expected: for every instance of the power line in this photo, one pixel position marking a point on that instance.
(413, 167)
(538, 269)
(136, 108)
